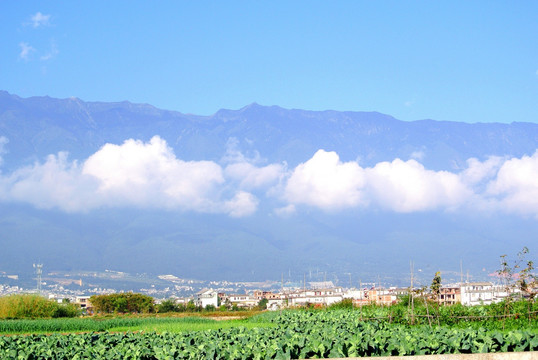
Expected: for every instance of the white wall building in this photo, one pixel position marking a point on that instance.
(315, 296)
(478, 293)
(242, 300)
(207, 297)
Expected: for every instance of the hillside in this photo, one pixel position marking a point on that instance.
(77, 231)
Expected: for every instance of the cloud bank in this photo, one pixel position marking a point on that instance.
(145, 175)
(149, 175)
(496, 184)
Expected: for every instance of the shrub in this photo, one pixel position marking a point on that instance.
(123, 303)
(344, 304)
(34, 306)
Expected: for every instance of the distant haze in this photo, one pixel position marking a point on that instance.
(252, 193)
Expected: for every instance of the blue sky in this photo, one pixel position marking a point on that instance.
(460, 61)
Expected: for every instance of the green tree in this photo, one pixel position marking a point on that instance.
(190, 306)
(167, 306)
(262, 304)
(210, 307)
(436, 286)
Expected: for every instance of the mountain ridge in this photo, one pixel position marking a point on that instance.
(262, 245)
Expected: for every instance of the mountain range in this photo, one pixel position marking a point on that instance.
(260, 192)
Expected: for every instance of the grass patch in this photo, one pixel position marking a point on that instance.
(126, 323)
(192, 324)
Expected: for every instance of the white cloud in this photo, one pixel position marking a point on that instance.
(406, 186)
(242, 204)
(149, 175)
(478, 171)
(26, 51)
(57, 183)
(145, 175)
(286, 210)
(235, 155)
(325, 182)
(418, 155)
(40, 19)
(516, 185)
(244, 171)
(402, 186)
(252, 177)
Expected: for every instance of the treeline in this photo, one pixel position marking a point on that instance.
(170, 305)
(34, 306)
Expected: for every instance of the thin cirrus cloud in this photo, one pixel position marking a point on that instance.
(39, 20)
(26, 51)
(51, 53)
(149, 175)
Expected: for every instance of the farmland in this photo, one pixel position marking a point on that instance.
(291, 334)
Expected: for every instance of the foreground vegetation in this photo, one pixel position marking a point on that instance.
(33, 307)
(124, 324)
(294, 334)
(505, 315)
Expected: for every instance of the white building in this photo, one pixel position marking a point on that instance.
(242, 300)
(83, 302)
(373, 296)
(478, 293)
(316, 296)
(207, 297)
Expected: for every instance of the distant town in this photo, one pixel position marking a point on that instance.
(78, 287)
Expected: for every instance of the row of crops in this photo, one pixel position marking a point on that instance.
(297, 334)
(26, 326)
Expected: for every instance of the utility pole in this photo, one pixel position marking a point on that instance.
(361, 295)
(461, 272)
(38, 271)
(412, 300)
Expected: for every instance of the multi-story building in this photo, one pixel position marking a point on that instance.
(450, 295)
(373, 296)
(207, 297)
(242, 300)
(478, 293)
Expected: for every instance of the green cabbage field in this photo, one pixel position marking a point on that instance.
(296, 335)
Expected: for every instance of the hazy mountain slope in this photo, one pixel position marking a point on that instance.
(263, 245)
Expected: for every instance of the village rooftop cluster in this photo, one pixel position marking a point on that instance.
(320, 294)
